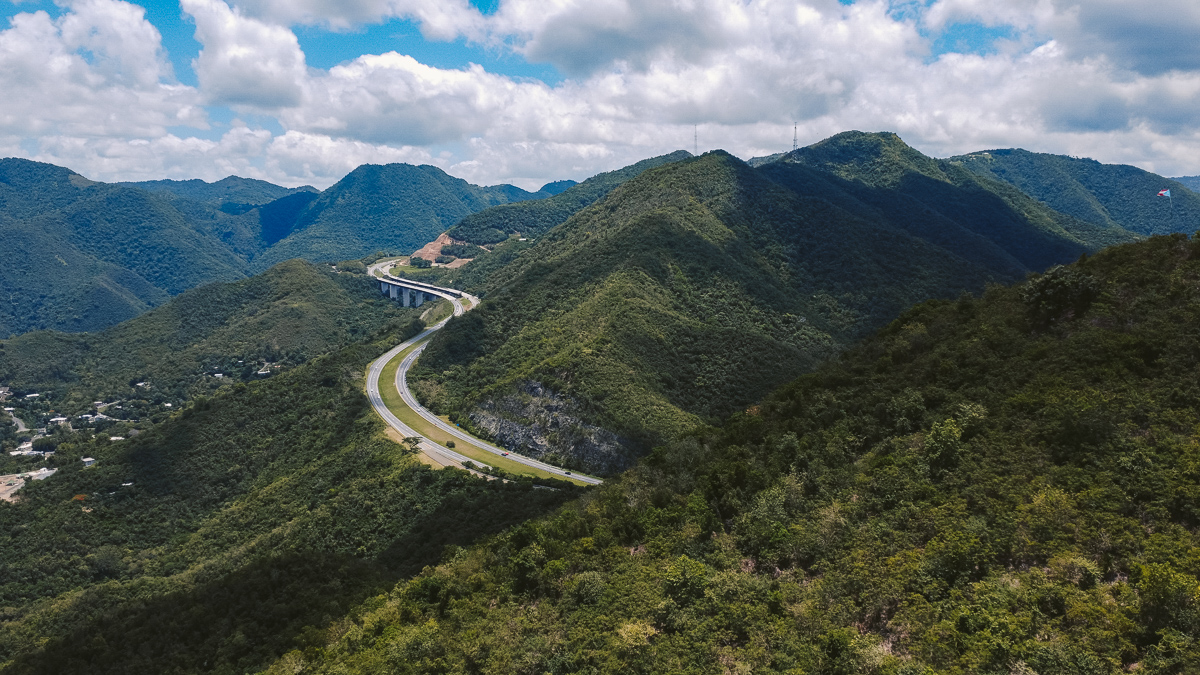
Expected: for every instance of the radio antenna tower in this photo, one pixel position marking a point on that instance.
(795, 138)
(696, 140)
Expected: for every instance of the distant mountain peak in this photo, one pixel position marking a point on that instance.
(558, 186)
(877, 158)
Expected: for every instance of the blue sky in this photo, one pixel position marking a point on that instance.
(325, 48)
(520, 91)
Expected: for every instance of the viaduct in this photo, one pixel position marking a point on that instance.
(414, 293)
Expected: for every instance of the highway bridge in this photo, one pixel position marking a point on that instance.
(412, 294)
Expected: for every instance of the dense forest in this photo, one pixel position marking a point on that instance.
(695, 288)
(1105, 194)
(234, 530)
(231, 192)
(997, 484)
(862, 411)
(531, 219)
(81, 256)
(394, 207)
(201, 340)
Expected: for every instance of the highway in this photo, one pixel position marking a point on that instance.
(401, 384)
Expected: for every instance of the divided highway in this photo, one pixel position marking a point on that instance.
(401, 383)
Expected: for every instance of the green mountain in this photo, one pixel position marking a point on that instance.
(532, 219)
(82, 255)
(293, 312)
(1106, 194)
(394, 207)
(997, 485)
(233, 190)
(939, 201)
(1190, 182)
(557, 186)
(695, 288)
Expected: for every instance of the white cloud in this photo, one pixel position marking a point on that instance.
(245, 61)
(742, 71)
(98, 70)
(1148, 39)
(439, 19)
(392, 98)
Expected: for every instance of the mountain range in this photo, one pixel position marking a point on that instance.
(84, 255)
(951, 495)
(1002, 484)
(862, 411)
(695, 288)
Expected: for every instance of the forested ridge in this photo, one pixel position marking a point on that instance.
(81, 256)
(995, 484)
(862, 411)
(533, 218)
(1105, 194)
(694, 288)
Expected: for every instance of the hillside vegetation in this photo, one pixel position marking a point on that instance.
(82, 256)
(233, 531)
(992, 485)
(695, 288)
(396, 207)
(291, 313)
(1105, 194)
(532, 219)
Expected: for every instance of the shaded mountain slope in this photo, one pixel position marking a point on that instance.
(84, 255)
(393, 207)
(532, 219)
(52, 284)
(997, 485)
(897, 179)
(695, 288)
(1105, 194)
(1190, 182)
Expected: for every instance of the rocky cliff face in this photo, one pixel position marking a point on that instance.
(540, 423)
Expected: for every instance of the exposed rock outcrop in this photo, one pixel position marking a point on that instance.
(540, 423)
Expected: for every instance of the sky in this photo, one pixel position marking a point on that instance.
(530, 91)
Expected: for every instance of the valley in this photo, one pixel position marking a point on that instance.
(844, 409)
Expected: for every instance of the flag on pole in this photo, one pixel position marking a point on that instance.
(1164, 193)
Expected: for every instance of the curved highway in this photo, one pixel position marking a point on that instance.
(401, 384)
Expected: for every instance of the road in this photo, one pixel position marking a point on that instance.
(20, 425)
(401, 384)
